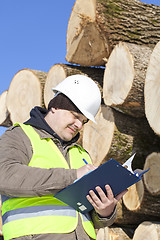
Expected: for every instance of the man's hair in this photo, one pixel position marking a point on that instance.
(62, 102)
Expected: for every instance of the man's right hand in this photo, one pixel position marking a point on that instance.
(85, 169)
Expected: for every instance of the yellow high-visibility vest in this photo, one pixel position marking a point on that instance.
(41, 215)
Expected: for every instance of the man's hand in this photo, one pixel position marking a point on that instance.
(85, 169)
(104, 204)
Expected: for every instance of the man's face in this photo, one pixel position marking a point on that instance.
(66, 123)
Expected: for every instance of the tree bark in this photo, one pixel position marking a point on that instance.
(4, 114)
(152, 90)
(59, 72)
(130, 219)
(96, 26)
(132, 135)
(147, 230)
(152, 177)
(124, 76)
(117, 135)
(25, 92)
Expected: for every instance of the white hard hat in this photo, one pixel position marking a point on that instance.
(83, 92)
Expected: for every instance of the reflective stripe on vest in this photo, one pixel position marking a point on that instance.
(36, 211)
(41, 215)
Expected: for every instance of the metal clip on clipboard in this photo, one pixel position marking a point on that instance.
(128, 165)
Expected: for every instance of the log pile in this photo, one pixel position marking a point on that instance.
(117, 44)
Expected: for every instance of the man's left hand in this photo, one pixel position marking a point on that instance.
(104, 205)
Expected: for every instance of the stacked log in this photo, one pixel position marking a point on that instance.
(141, 202)
(25, 91)
(147, 230)
(112, 233)
(97, 137)
(152, 91)
(126, 90)
(59, 72)
(116, 43)
(152, 178)
(95, 27)
(4, 113)
(117, 135)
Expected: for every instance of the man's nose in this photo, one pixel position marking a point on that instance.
(79, 123)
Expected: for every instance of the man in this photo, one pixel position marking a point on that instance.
(41, 157)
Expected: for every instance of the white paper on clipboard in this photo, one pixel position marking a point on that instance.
(128, 165)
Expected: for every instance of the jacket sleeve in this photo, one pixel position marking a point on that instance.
(100, 222)
(17, 179)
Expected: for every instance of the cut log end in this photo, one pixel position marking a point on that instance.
(85, 45)
(152, 178)
(55, 75)
(152, 90)
(4, 114)
(133, 198)
(25, 92)
(88, 48)
(97, 138)
(118, 76)
(147, 230)
(124, 78)
(112, 233)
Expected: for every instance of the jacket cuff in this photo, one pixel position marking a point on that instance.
(100, 222)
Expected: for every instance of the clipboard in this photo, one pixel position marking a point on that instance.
(118, 176)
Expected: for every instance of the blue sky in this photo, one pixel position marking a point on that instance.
(33, 35)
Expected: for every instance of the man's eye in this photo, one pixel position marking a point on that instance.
(78, 117)
(74, 115)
